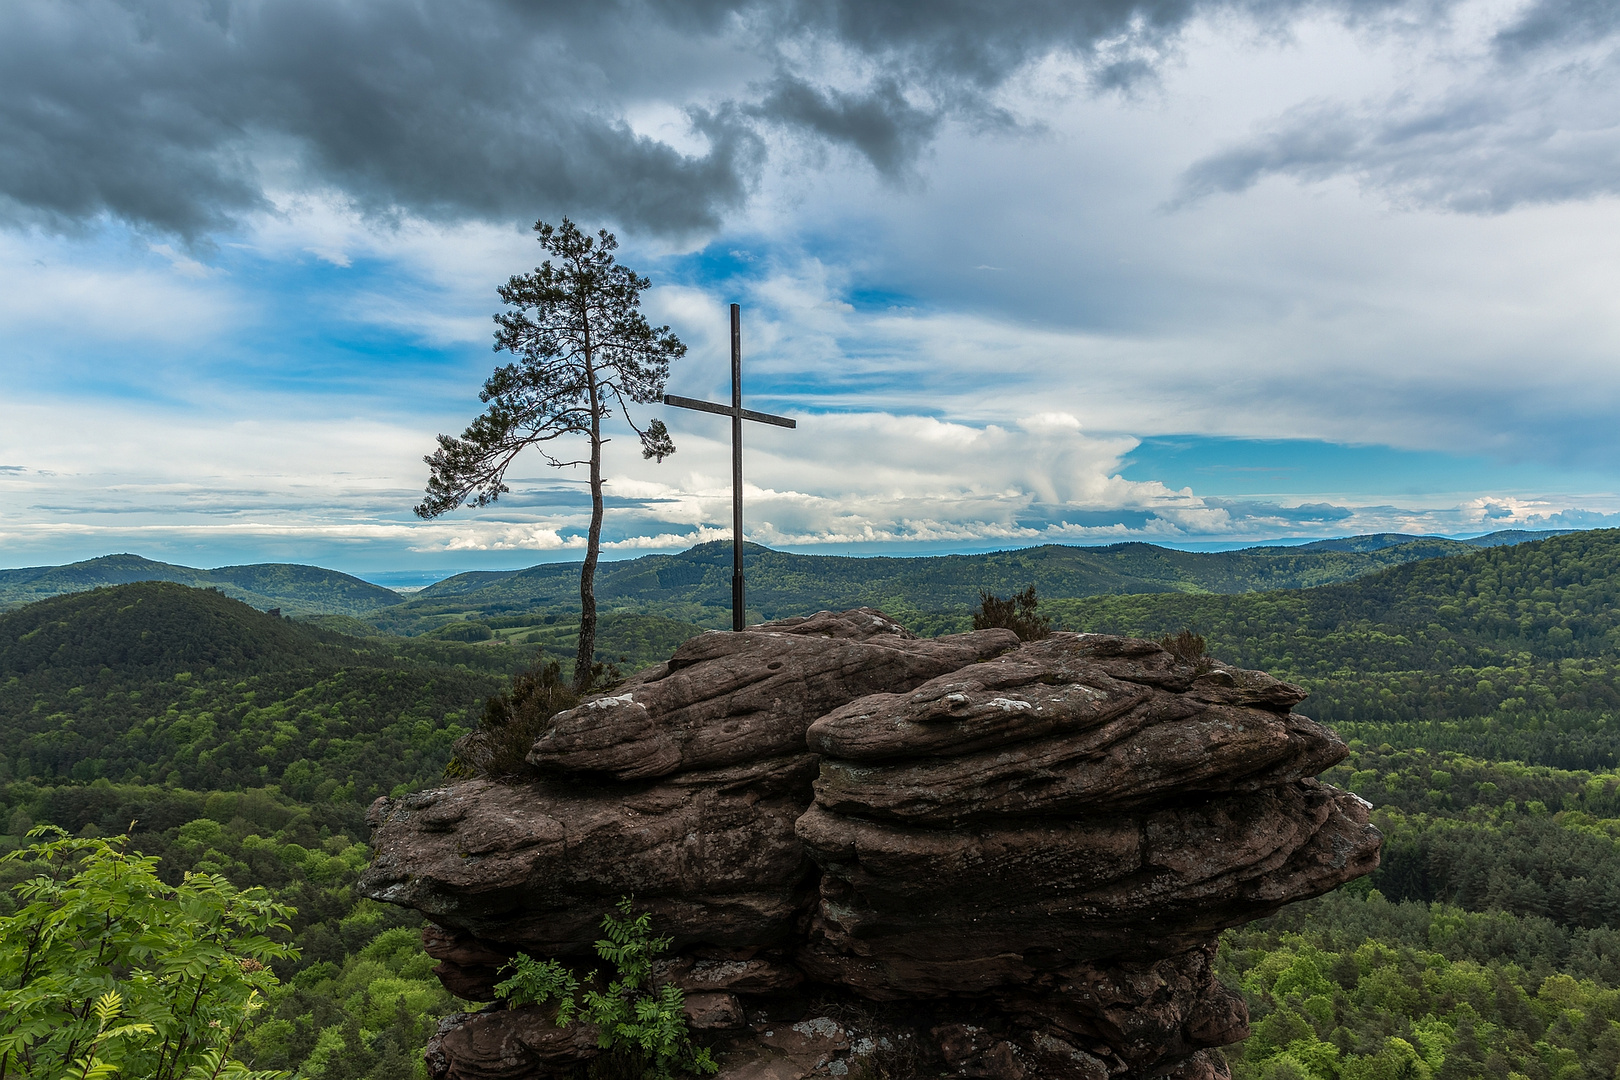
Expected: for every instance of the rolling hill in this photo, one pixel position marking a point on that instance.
(930, 594)
(1503, 652)
(157, 682)
(294, 588)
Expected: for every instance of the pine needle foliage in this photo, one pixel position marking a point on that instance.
(641, 1026)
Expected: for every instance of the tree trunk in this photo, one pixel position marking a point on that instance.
(593, 541)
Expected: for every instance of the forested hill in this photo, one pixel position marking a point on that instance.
(161, 683)
(245, 745)
(931, 594)
(1508, 652)
(295, 589)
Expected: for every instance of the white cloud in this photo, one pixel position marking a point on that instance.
(971, 347)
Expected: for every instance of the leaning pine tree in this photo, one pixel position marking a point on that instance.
(584, 352)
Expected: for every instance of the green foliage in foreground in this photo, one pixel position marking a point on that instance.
(106, 969)
(641, 1025)
(359, 1000)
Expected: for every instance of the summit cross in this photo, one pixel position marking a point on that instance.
(738, 414)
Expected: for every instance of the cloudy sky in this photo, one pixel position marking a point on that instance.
(1189, 271)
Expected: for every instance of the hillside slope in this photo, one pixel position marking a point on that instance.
(294, 588)
(1505, 652)
(156, 682)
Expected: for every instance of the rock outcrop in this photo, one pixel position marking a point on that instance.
(1002, 859)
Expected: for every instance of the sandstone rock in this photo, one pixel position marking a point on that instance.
(713, 1012)
(1152, 753)
(739, 972)
(726, 698)
(1119, 885)
(1065, 683)
(1016, 856)
(468, 968)
(506, 1044)
(1204, 1065)
(972, 1051)
(1143, 1012)
(786, 1052)
(713, 854)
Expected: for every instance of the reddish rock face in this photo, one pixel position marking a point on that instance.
(727, 698)
(1032, 845)
(713, 854)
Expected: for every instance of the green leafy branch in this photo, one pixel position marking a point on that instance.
(99, 938)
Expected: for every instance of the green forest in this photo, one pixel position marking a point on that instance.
(1477, 689)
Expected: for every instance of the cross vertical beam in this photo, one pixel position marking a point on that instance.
(739, 605)
(739, 599)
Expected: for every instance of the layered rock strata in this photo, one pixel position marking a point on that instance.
(1023, 851)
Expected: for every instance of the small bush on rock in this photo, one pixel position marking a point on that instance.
(1189, 647)
(642, 1027)
(499, 749)
(1016, 613)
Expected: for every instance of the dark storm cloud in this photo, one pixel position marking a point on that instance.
(181, 115)
(1529, 126)
(880, 124)
(1555, 22)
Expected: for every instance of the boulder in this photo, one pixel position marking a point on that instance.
(930, 910)
(506, 1044)
(984, 858)
(713, 854)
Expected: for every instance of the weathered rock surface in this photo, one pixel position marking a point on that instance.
(728, 698)
(933, 907)
(713, 854)
(1020, 853)
(1139, 804)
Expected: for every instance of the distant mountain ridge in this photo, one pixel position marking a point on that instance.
(693, 587)
(1379, 541)
(932, 594)
(294, 588)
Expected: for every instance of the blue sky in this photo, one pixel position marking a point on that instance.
(1205, 273)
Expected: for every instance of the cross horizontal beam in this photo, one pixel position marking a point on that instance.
(727, 410)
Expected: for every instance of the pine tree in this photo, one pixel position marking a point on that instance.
(585, 353)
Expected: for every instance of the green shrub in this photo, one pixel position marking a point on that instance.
(106, 970)
(1016, 613)
(640, 1025)
(499, 749)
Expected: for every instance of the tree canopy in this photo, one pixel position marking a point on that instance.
(584, 353)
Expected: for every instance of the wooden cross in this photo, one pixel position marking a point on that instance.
(738, 414)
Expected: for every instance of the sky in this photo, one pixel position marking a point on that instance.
(1196, 272)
